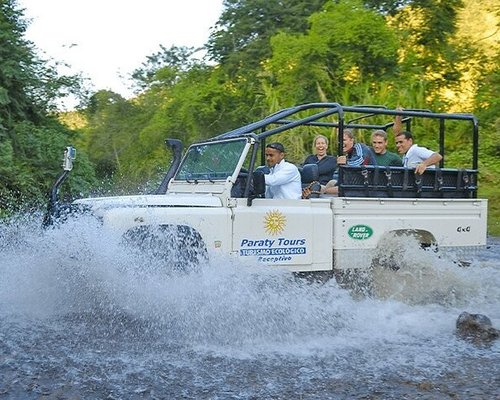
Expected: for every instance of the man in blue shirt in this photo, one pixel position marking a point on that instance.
(283, 182)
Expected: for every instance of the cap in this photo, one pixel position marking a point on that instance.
(276, 146)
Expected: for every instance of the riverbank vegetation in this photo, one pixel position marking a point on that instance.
(261, 56)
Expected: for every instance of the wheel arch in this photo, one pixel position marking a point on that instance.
(424, 237)
(179, 243)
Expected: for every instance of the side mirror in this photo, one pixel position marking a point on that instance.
(53, 207)
(69, 157)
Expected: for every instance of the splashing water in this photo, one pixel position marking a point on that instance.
(82, 316)
(408, 273)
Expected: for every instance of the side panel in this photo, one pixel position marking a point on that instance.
(361, 224)
(213, 224)
(295, 234)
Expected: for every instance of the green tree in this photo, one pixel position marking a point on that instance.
(202, 103)
(111, 129)
(18, 66)
(427, 52)
(346, 45)
(31, 138)
(389, 7)
(164, 66)
(242, 33)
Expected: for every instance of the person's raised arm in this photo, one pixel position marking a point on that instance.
(398, 123)
(432, 160)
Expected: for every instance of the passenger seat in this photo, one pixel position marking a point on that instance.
(309, 175)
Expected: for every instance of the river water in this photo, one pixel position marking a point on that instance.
(80, 318)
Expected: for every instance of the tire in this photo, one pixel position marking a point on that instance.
(399, 269)
(173, 248)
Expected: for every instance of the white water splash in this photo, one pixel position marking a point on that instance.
(80, 269)
(81, 317)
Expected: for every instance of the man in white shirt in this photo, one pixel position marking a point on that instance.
(415, 156)
(283, 182)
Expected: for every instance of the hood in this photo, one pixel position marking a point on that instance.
(170, 200)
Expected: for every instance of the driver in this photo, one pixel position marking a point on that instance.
(283, 181)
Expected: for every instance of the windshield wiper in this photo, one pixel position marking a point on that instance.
(208, 176)
(196, 181)
(190, 174)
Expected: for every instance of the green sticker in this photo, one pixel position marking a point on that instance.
(360, 232)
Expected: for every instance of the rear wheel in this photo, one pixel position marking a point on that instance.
(399, 267)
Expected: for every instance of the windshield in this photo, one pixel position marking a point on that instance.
(211, 161)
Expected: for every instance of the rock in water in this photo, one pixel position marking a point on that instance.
(476, 328)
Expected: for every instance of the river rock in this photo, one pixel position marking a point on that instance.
(476, 328)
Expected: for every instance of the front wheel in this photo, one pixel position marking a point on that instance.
(172, 248)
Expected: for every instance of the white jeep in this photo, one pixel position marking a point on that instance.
(212, 199)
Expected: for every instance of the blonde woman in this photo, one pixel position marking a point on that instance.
(327, 165)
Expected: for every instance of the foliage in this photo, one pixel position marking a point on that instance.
(427, 52)
(31, 138)
(17, 70)
(389, 7)
(263, 55)
(108, 132)
(29, 86)
(346, 45)
(164, 67)
(28, 171)
(242, 33)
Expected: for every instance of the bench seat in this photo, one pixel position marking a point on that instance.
(375, 181)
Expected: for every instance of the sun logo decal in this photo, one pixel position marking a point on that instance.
(274, 222)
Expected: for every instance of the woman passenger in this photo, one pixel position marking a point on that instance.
(327, 165)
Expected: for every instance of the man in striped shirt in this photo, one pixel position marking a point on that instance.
(355, 154)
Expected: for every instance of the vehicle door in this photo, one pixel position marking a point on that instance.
(296, 234)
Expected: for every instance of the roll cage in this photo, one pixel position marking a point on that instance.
(370, 181)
